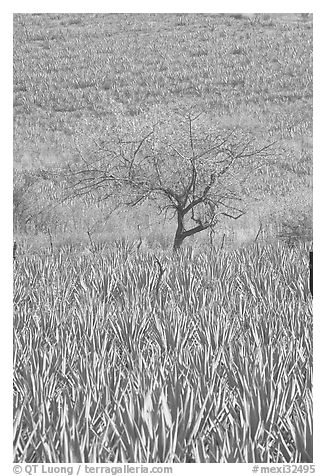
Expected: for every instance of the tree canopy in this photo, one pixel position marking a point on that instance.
(195, 172)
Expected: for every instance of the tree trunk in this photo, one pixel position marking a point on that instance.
(178, 240)
(179, 234)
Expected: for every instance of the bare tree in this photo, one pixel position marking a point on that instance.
(191, 171)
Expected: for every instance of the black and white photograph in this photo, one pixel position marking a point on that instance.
(162, 245)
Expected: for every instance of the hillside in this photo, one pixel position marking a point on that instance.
(75, 74)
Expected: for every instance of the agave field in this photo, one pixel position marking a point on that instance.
(132, 353)
(121, 356)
